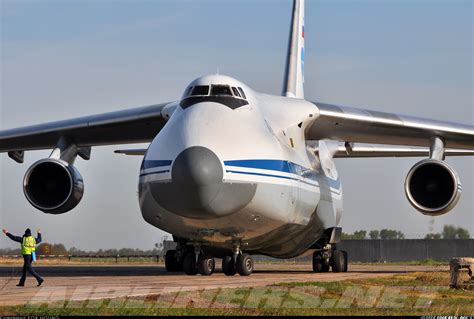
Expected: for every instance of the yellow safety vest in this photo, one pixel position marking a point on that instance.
(28, 246)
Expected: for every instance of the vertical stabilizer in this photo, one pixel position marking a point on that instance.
(294, 73)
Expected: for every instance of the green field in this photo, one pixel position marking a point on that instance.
(83, 261)
(407, 294)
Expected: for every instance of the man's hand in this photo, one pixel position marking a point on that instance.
(5, 231)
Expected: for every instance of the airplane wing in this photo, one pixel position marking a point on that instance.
(354, 125)
(351, 150)
(135, 125)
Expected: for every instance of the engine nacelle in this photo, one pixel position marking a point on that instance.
(53, 186)
(433, 187)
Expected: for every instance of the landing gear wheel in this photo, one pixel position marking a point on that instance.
(189, 264)
(206, 265)
(228, 266)
(339, 261)
(319, 264)
(346, 260)
(244, 264)
(171, 262)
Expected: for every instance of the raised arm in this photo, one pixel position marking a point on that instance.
(13, 237)
(38, 238)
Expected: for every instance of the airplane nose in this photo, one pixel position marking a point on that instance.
(197, 173)
(197, 189)
(196, 180)
(198, 168)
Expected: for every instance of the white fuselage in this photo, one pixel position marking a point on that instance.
(276, 196)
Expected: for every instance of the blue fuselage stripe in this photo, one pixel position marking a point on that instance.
(271, 175)
(272, 165)
(153, 164)
(153, 173)
(261, 174)
(263, 164)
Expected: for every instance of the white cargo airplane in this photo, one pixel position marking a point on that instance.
(231, 172)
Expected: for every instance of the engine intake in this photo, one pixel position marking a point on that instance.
(433, 187)
(53, 186)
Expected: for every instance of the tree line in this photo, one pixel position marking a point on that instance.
(449, 232)
(59, 249)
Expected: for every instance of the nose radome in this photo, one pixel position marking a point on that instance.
(197, 189)
(196, 181)
(197, 167)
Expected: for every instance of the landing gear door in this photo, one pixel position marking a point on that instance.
(293, 195)
(330, 207)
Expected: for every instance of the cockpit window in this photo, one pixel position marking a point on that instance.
(232, 97)
(200, 90)
(188, 92)
(236, 92)
(221, 90)
(242, 93)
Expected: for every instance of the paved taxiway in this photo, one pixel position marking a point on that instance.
(82, 282)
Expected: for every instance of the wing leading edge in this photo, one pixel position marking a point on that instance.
(354, 125)
(134, 125)
(349, 150)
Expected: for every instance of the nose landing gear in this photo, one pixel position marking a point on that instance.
(205, 264)
(244, 264)
(228, 266)
(190, 264)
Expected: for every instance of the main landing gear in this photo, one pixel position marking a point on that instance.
(329, 257)
(193, 262)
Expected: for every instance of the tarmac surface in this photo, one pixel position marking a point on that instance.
(95, 282)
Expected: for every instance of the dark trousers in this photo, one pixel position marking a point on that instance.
(27, 260)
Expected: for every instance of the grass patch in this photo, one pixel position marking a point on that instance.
(423, 293)
(422, 262)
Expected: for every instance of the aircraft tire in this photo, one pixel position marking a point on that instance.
(228, 266)
(244, 264)
(346, 260)
(319, 265)
(189, 264)
(171, 262)
(206, 265)
(339, 261)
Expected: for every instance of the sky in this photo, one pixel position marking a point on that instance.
(63, 59)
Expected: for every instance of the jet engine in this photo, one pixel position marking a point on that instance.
(53, 186)
(433, 187)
